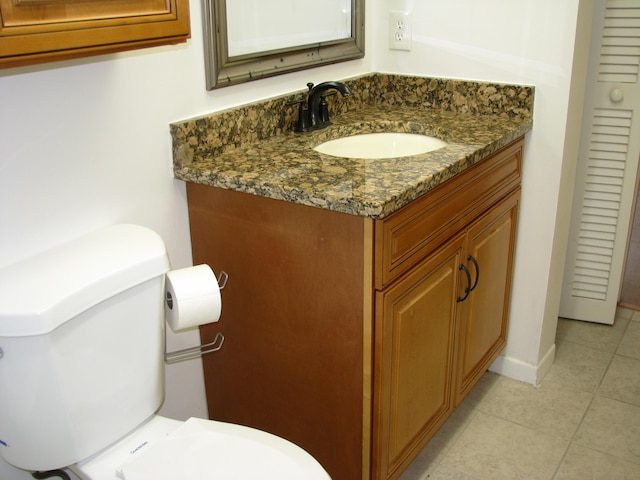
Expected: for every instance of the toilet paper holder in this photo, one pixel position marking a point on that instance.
(199, 350)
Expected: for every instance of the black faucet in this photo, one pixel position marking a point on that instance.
(315, 115)
(316, 94)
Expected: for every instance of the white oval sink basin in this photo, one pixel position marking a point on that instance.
(380, 145)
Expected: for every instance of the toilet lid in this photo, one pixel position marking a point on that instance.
(205, 449)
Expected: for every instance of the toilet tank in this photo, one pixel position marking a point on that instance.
(81, 346)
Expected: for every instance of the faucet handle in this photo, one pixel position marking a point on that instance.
(303, 122)
(323, 113)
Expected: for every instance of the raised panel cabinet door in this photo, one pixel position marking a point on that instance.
(36, 31)
(482, 328)
(415, 320)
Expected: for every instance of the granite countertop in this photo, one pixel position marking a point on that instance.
(284, 166)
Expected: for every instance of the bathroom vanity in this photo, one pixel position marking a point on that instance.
(366, 297)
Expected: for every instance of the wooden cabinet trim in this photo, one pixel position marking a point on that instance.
(368, 327)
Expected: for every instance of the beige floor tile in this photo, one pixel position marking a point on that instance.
(622, 380)
(578, 366)
(594, 335)
(586, 464)
(492, 448)
(551, 408)
(434, 471)
(422, 467)
(611, 427)
(440, 472)
(630, 343)
(622, 312)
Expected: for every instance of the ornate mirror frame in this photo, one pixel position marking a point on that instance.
(223, 70)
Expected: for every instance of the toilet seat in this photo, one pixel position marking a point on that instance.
(166, 449)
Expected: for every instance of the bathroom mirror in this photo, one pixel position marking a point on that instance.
(251, 39)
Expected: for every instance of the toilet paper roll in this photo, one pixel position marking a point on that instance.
(192, 297)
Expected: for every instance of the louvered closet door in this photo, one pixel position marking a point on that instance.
(607, 167)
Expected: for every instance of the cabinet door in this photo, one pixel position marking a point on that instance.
(482, 330)
(415, 321)
(35, 31)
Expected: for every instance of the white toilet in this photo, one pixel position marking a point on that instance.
(82, 373)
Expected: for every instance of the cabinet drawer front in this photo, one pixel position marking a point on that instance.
(410, 234)
(33, 12)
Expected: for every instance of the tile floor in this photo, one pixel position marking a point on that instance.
(582, 422)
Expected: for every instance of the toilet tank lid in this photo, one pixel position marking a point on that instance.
(41, 293)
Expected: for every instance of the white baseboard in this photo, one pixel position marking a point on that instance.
(522, 371)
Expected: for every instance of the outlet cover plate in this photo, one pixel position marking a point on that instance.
(399, 30)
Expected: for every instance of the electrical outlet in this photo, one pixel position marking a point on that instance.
(399, 30)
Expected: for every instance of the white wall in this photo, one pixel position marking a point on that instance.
(86, 143)
(523, 41)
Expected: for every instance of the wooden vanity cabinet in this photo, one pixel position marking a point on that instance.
(355, 338)
(438, 329)
(38, 31)
(443, 279)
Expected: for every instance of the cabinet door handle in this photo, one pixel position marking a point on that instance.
(468, 289)
(475, 262)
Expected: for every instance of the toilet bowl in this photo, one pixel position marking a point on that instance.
(167, 449)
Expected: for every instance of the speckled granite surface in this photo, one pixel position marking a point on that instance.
(252, 149)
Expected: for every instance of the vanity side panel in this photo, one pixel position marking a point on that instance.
(292, 362)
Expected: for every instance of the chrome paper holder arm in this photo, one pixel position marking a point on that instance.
(193, 352)
(223, 278)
